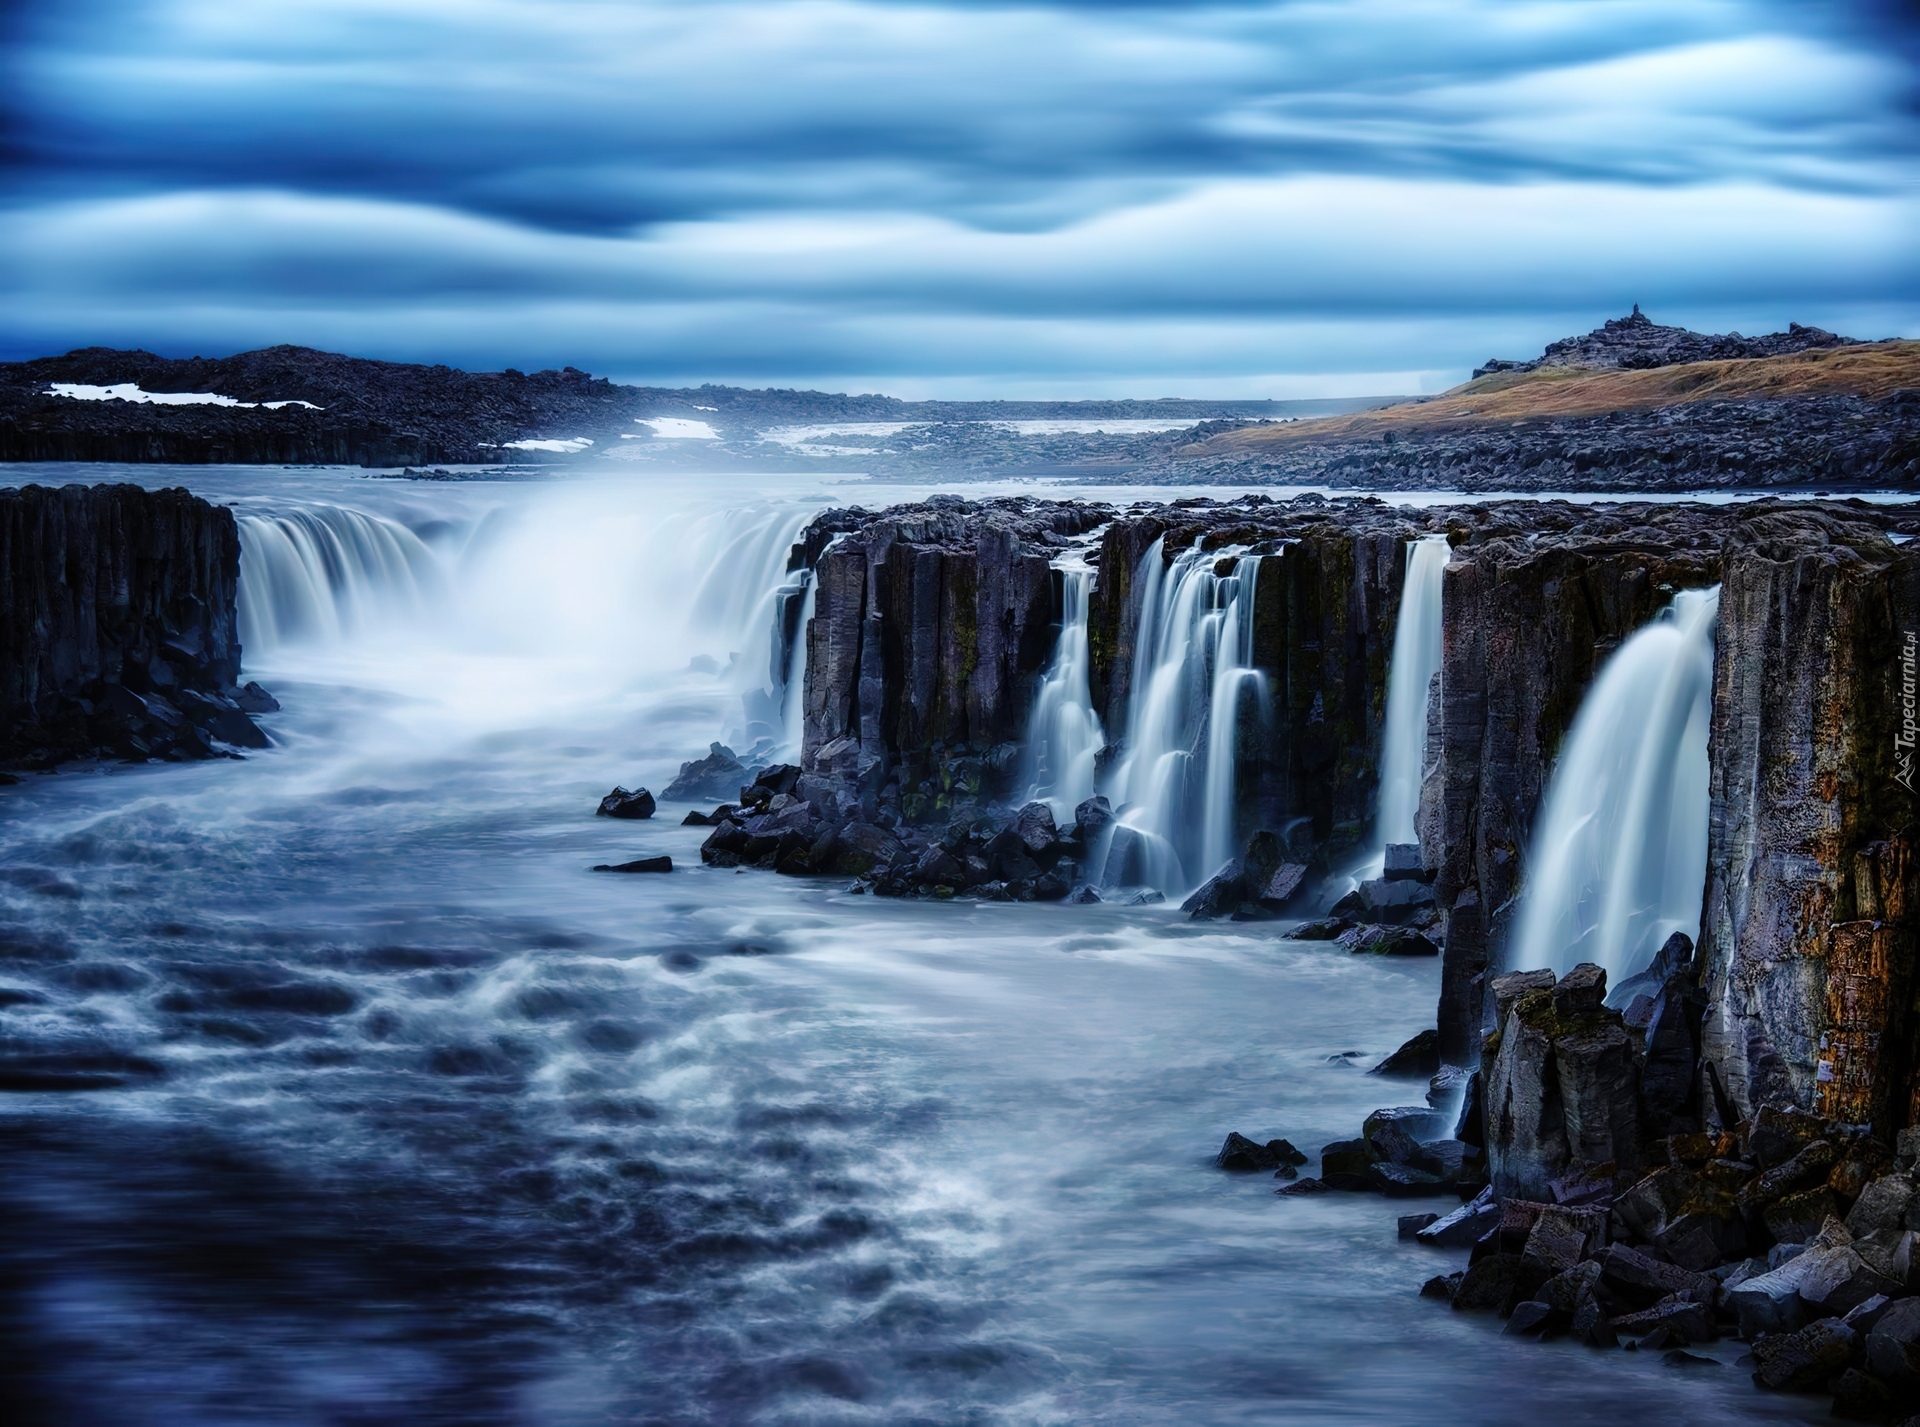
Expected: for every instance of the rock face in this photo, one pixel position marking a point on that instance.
(1811, 868)
(932, 626)
(117, 627)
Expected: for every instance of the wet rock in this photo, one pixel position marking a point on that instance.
(1804, 1359)
(1349, 1157)
(1084, 895)
(1580, 992)
(1635, 1276)
(639, 864)
(1419, 1056)
(1404, 1181)
(1443, 1286)
(1489, 1284)
(1243, 1155)
(1403, 863)
(718, 775)
(1691, 1322)
(1893, 1346)
(1304, 1187)
(1465, 1226)
(623, 804)
(1323, 929)
(1861, 1397)
(1532, 1317)
(252, 699)
(1394, 903)
(1033, 825)
(1797, 1218)
(1883, 1204)
(1091, 818)
(1408, 1226)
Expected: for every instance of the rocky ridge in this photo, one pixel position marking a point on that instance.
(1637, 343)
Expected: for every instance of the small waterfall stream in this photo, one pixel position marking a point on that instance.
(1063, 732)
(1416, 659)
(1619, 856)
(1174, 788)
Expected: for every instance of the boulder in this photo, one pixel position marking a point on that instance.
(1798, 1217)
(1635, 1276)
(1242, 1155)
(1345, 1157)
(1394, 903)
(623, 804)
(1804, 1359)
(1408, 1226)
(1573, 1289)
(1690, 1321)
(1581, 991)
(718, 775)
(1404, 1181)
(1775, 1134)
(1465, 1226)
(1419, 1056)
(1489, 1284)
(1893, 1346)
(1091, 819)
(1402, 863)
(1033, 825)
(639, 864)
(1883, 1204)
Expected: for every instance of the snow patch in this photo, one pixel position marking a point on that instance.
(681, 428)
(130, 391)
(564, 447)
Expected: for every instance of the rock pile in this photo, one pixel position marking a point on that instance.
(790, 823)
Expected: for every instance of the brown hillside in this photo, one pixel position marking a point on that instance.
(1871, 369)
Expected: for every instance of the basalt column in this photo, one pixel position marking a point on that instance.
(1811, 899)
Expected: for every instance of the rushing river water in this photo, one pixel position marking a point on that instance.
(338, 1090)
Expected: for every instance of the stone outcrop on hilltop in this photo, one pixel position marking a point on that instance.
(1636, 342)
(118, 632)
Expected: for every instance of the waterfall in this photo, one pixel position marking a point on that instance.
(321, 572)
(1620, 856)
(1174, 787)
(1063, 733)
(1416, 658)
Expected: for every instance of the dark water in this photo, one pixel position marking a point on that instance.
(335, 1090)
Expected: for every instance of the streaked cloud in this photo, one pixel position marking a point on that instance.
(953, 194)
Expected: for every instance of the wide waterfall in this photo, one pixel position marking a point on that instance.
(1063, 733)
(1620, 856)
(319, 572)
(1416, 659)
(1175, 786)
(590, 588)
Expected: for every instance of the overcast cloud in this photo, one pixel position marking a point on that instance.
(1267, 199)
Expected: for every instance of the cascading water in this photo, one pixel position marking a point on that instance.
(319, 572)
(1064, 733)
(1416, 658)
(1620, 858)
(588, 587)
(1174, 788)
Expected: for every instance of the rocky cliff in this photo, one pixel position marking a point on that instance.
(117, 628)
(1809, 931)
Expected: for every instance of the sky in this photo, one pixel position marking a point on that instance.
(954, 199)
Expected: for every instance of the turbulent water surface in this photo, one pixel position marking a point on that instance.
(336, 1089)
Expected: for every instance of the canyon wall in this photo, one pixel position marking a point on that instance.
(117, 629)
(1810, 904)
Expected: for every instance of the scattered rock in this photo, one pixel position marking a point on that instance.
(640, 864)
(623, 804)
(718, 775)
(1419, 1056)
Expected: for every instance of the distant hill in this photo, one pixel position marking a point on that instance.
(358, 411)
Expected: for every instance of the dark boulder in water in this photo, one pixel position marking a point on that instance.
(639, 864)
(623, 804)
(1419, 1056)
(718, 775)
(1244, 1156)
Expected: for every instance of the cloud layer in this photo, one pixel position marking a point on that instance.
(1274, 198)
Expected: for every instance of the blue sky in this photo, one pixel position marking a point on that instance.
(1288, 199)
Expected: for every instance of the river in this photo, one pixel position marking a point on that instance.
(341, 1091)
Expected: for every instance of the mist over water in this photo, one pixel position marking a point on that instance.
(338, 1090)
